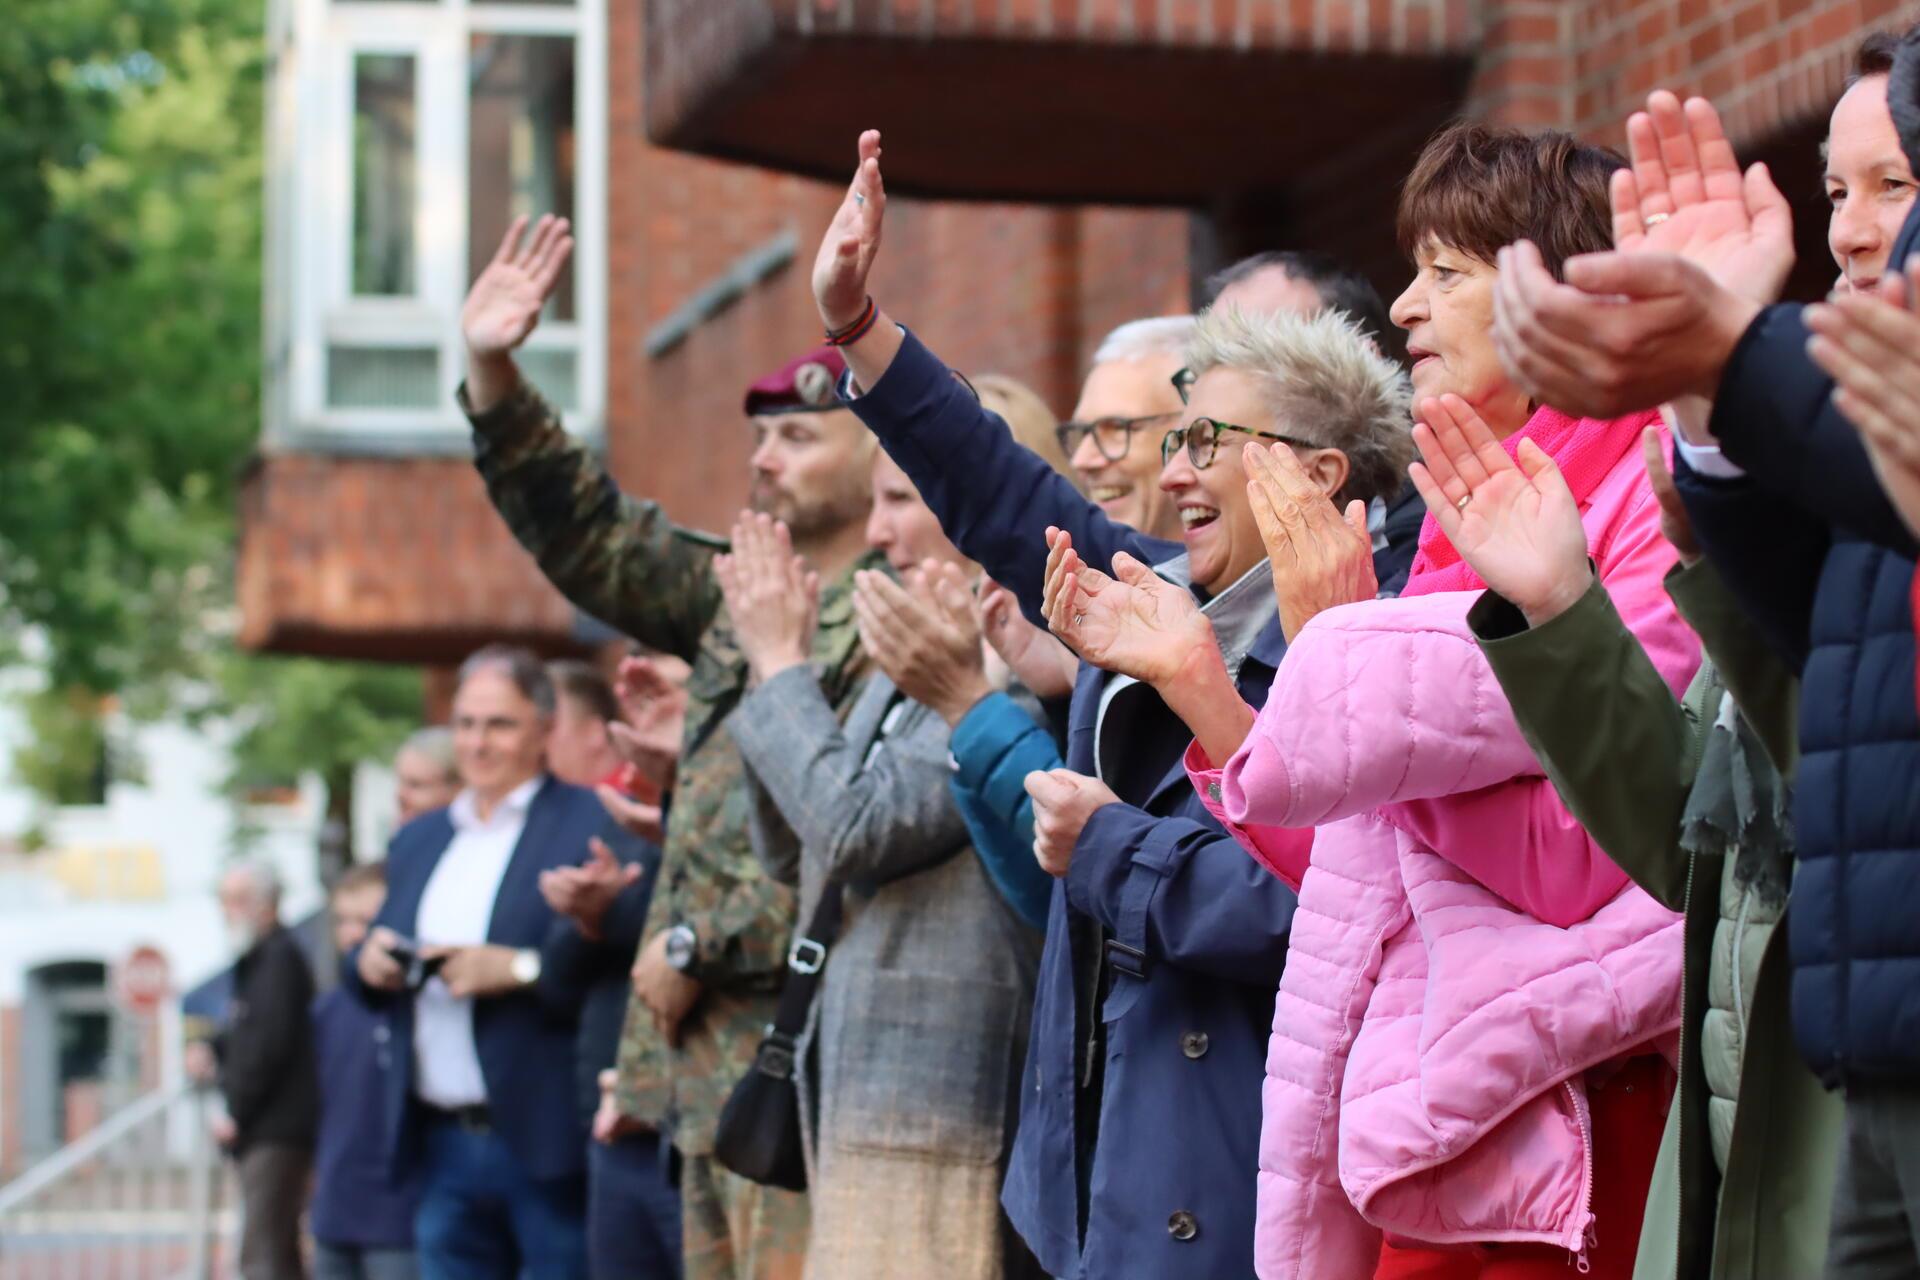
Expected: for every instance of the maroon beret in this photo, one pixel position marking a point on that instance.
(805, 384)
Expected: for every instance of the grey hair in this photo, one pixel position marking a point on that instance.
(435, 743)
(261, 874)
(1146, 339)
(528, 673)
(1323, 381)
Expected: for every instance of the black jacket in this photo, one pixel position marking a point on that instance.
(1820, 560)
(598, 972)
(266, 1047)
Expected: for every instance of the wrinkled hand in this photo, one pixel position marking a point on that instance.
(1676, 526)
(376, 965)
(668, 994)
(504, 304)
(924, 636)
(1036, 659)
(1520, 529)
(1685, 178)
(636, 817)
(852, 241)
(1135, 623)
(1626, 332)
(1062, 802)
(583, 893)
(652, 690)
(475, 972)
(1320, 560)
(1871, 346)
(773, 599)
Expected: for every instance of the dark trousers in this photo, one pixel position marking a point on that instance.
(482, 1217)
(633, 1210)
(273, 1194)
(1876, 1199)
(355, 1262)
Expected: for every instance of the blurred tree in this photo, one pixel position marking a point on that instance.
(130, 275)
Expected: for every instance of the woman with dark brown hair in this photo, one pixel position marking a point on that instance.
(1463, 1080)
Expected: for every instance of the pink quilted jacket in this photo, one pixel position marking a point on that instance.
(1462, 953)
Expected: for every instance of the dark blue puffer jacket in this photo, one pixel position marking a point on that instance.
(1822, 561)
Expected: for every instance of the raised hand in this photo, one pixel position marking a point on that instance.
(852, 241)
(924, 636)
(636, 817)
(1039, 661)
(504, 304)
(1676, 526)
(652, 690)
(1320, 559)
(1515, 523)
(773, 599)
(1871, 345)
(1135, 623)
(1685, 194)
(584, 893)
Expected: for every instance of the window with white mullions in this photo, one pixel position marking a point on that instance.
(413, 132)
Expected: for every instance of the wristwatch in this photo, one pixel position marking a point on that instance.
(681, 944)
(525, 967)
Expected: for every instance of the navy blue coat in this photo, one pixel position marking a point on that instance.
(1197, 931)
(525, 1039)
(1821, 560)
(357, 1202)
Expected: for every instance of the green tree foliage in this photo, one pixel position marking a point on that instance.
(130, 276)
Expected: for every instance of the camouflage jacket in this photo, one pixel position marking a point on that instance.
(623, 561)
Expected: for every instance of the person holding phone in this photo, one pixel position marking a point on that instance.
(478, 1088)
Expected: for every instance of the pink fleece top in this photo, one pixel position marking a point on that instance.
(1463, 952)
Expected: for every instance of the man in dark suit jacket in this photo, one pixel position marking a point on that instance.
(265, 1053)
(479, 1095)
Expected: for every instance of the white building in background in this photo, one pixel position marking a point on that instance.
(137, 870)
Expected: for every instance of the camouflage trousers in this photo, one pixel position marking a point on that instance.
(739, 1230)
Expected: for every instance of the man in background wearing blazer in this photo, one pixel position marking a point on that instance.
(478, 1068)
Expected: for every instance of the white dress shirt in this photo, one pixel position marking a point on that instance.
(455, 910)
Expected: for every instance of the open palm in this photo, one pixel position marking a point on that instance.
(504, 304)
(1685, 194)
(852, 241)
(1519, 526)
(1137, 624)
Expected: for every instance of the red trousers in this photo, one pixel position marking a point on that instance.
(1629, 1113)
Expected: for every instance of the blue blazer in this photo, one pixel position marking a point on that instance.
(526, 1039)
(1816, 553)
(1195, 930)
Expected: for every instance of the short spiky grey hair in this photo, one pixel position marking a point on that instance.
(1145, 339)
(1323, 381)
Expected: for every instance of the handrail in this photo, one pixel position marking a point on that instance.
(88, 1146)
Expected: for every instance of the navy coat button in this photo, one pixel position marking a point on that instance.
(1194, 1044)
(1182, 1226)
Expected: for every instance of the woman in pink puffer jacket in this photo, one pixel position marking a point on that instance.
(1470, 980)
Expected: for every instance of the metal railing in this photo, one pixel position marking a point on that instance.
(138, 1198)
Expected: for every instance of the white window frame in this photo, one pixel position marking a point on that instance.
(328, 36)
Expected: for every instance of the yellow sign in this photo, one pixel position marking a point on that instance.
(111, 873)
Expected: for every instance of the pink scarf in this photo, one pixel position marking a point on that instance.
(1586, 450)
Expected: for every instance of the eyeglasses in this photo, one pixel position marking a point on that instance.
(1111, 436)
(1202, 438)
(1183, 380)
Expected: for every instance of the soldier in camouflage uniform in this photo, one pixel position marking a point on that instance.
(710, 971)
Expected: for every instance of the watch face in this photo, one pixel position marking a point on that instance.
(679, 948)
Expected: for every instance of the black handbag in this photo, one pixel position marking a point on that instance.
(759, 1136)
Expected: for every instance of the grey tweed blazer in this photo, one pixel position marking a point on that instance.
(912, 1057)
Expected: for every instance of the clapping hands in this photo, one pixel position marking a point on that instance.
(773, 599)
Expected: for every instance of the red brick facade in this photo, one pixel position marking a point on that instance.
(1260, 123)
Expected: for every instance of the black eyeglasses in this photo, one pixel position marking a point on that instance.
(1183, 380)
(1202, 438)
(1111, 436)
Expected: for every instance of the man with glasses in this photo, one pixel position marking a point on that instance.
(1126, 404)
(1164, 940)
